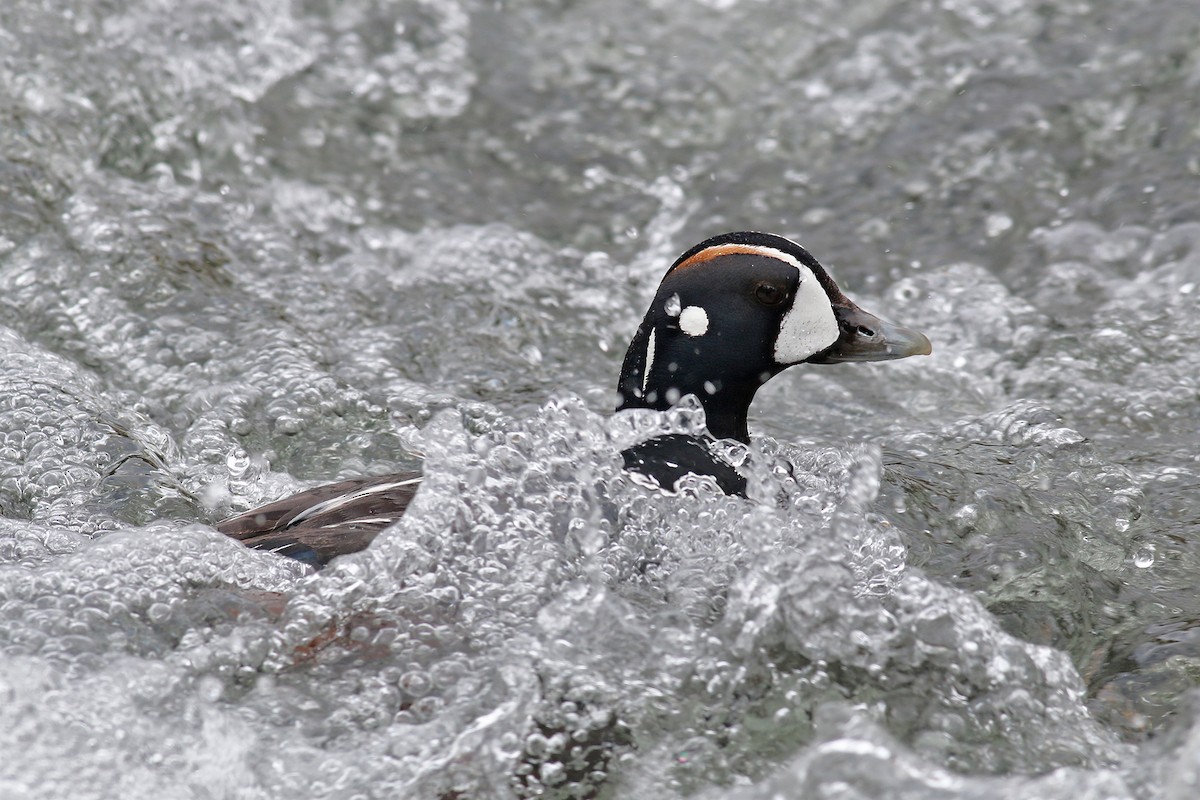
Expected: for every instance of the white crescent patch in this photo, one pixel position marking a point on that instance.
(809, 326)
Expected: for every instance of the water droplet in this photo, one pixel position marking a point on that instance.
(312, 137)
(1144, 557)
(532, 354)
(210, 688)
(238, 463)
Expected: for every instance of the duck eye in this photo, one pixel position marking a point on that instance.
(769, 294)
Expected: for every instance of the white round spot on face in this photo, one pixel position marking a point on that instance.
(710, 387)
(673, 305)
(693, 321)
(673, 395)
(809, 326)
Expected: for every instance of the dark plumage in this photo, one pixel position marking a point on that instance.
(730, 313)
(317, 524)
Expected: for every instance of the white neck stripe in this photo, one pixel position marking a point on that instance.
(649, 360)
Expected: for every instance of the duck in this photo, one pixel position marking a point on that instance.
(730, 313)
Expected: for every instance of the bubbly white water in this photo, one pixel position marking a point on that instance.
(249, 247)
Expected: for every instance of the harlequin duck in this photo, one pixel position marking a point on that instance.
(730, 314)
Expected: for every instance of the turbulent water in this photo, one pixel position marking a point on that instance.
(248, 247)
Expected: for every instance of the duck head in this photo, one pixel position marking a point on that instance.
(738, 309)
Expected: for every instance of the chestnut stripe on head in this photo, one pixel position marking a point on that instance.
(716, 251)
(809, 325)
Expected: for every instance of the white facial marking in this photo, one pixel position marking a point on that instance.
(693, 321)
(649, 360)
(673, 305)
(809, 326)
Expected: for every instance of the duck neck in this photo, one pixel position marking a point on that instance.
(726, 400)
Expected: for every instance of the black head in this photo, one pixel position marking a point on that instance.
(736, 310)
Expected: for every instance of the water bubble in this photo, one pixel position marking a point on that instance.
(416, 684)
(1144, 557)
(210, 688)
(237, 462)
(312, 137)
(427, 707)
(532, 354)
(289, 425)
(552, 773)
(536, 745)
(996, 224)
(906, 292)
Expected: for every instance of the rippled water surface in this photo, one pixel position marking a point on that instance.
(247, 247)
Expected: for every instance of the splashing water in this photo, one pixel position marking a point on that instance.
(246, 250)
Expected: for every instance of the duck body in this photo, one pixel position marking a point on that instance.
(730, 314)
(318, 524)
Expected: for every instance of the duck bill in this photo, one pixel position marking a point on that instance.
(866, 337)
